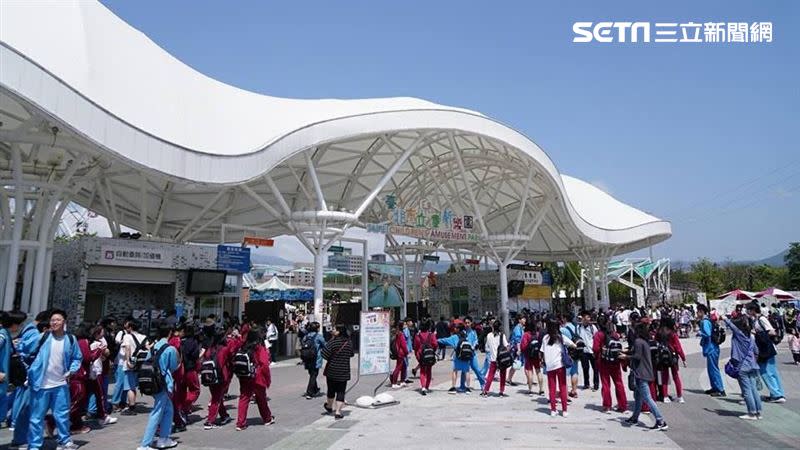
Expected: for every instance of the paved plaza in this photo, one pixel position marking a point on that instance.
(440, 420)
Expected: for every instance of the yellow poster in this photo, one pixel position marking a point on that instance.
(535, 292)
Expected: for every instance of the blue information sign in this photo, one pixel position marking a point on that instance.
(233, 259)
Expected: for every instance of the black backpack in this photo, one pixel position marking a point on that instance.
(717, 333)
(576, 352)
(534, 347)
(17, 369)
(611, 349)
(149, 375)
(140, 353)
(308, 351)
(210, 373)
(464, 351)
(393, 347)
(777, 325)
(663, 357)
(504, 359)
(243, 364)
(428, 353)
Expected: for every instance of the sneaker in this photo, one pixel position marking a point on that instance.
(667, 400)
(338, 416)
(308, 396)
(718, 394)
(573, 394)
(424, 391)
(758, 416)
(646, 412)
(681, 400)
(660, 426)
(162, 443)
(127, 412)
(270, 421)
(541, 392)
(139, 448)
(225, 420)
(452, 390)
(564, 414)
(484, 394)
(68, 446)
(109, 421)
(503, 394)
(779, 400)
(210, 426)
(748, 417)
(82, 430)
(553, 413)
(606, 410)
(530, 393)
(630, 421)
(179, 428)
(396, 386)
(467, 391)
(408, 381)
(710, 391)
(414, 373)
(238, 428)
(512, 383)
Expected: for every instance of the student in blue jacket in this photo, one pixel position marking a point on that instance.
(10, 324)
(459, 365)
(28, 341)
(472, 337)
(312, 390)
(59, 358)
(711, 352)
(161, 414)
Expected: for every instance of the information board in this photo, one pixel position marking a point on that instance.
(233, 259)
(374, 343)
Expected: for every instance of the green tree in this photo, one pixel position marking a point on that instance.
(707, 276)
(792, 260)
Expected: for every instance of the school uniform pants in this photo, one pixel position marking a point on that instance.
(247, 390)
(57, 400)
(77, 394)
(191, 387)
(771, 377)
(425, 376)
(712, 367)
(490, 377)
(217, 405)
(557, 376)
(612, 373)
(676, 377)
(160, 419)
(118, 396)
(588, 361)
(91, 407)
(399, 371)
(178, 393)
(4, 401)
(94, 389)
(21, 415)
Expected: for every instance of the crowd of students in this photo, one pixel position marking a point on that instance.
(51, 380)
(605, 344)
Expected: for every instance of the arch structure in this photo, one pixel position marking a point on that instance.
(95, 113)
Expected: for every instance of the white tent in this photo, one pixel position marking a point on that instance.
(273, 284)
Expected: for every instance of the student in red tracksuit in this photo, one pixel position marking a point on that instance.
(178, 418)
(533, 361)
(257, 385)
(610, 369)
(425, 336)
(401, 349)
(222, 350)
(190, 384)
(674, 343)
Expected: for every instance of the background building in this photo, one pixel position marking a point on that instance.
(346, 262)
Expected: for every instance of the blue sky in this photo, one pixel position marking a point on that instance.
(702, 135)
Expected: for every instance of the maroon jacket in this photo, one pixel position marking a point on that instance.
(89, 357)
(225, 356)
(421, 339)
(400, 345)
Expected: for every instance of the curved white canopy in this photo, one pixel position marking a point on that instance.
(174, 153)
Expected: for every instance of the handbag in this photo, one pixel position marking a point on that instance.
(631, 380)
(566, 360)
(732, 368)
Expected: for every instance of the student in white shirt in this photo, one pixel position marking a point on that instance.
(132, 341)
(553, 355)
(494, 340)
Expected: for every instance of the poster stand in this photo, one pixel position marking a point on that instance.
(373, 356)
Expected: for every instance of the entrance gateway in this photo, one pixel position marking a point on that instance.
(214, 159)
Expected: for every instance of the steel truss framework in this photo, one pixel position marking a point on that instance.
(324, 173)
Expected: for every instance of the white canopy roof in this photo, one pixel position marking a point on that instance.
(273, 283)
(172, 152)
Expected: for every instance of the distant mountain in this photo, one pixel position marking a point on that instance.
(775, 261)
(270, 260)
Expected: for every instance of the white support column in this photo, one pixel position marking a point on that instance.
(27, 281)
(19, 209)
(365, 279)
(318, 285)
(312, 172)
(504, 298)
(404, 312)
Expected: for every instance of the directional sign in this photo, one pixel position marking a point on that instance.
(336, 249)
(433, 258)
(473, 262)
